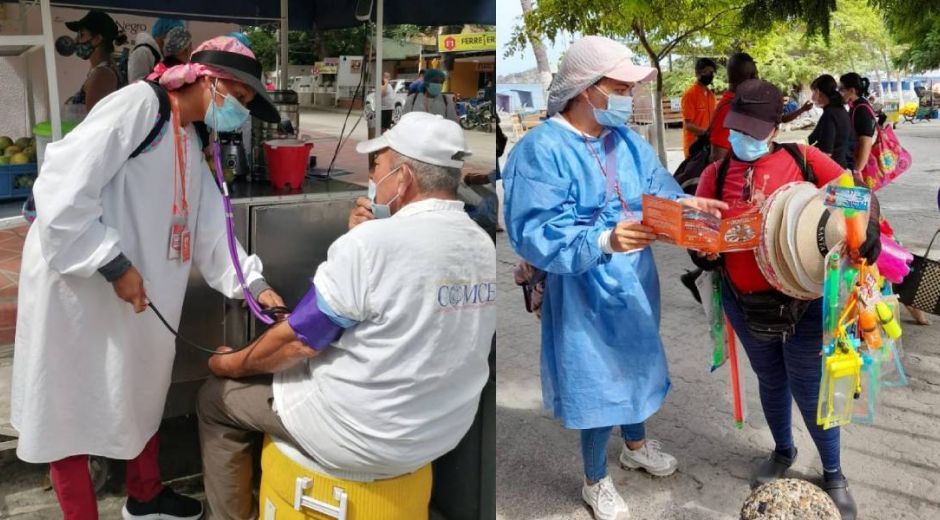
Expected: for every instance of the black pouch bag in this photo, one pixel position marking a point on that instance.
(769, 315)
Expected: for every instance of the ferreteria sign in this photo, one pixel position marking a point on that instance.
(466, 42)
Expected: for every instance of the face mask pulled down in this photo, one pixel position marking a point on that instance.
(747, 148)
(618, 112)
(381, 210)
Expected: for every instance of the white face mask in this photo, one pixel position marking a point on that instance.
(381, 210)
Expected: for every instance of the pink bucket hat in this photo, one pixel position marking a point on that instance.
(226, 58)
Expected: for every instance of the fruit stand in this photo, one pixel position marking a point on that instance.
(18, 168)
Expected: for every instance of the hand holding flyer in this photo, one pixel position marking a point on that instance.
(699, 230)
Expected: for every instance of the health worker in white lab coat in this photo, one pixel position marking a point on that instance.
(113, 234)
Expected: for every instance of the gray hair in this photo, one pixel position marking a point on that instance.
(431, 178)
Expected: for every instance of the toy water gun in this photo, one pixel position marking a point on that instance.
(719, 354)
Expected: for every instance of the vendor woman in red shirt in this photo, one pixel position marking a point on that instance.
(786, 362)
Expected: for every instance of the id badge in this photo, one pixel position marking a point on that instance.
(177, 227)
(185, 246)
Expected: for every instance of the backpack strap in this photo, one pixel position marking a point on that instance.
(162, 117)
(797, 154)
(720, 176)
(155, 52)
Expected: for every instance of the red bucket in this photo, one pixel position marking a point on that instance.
(287, 162)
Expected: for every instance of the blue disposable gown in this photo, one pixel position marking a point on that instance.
(602, 360)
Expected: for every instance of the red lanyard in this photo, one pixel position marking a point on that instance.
(608, 175)
(180, 203)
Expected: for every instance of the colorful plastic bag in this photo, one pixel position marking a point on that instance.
(887, 160)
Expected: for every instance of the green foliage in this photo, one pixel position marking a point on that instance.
(916, 24)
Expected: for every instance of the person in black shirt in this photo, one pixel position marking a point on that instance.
(833, 131)
(854, 89)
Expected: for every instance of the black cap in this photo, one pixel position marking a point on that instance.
(248, 71)
(756, 110)
(96, 22)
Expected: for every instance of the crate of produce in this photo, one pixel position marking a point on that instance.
(16, 180)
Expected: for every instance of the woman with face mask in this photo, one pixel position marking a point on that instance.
(573, 192)
(96, 36)
(786, 363)
(113, 233)
(430, 98)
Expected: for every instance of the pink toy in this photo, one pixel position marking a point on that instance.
(894, 261)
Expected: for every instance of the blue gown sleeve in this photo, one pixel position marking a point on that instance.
(540, 208)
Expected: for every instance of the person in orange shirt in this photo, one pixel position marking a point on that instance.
(698, 104)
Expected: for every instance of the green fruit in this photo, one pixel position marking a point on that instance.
(4, 142)
(4, 160)
(22, 142)
(20, 158)
(12, 150)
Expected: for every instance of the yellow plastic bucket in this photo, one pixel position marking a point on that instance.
(290, 491)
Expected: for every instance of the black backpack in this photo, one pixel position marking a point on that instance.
(689, 171)
(125, 58)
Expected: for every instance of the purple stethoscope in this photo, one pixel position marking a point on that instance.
(264, 316)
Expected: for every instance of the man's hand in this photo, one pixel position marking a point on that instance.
(807, 106)
(130, 288)
(276, 350)
(711, 257)
(713, 206)
(221, 365)
(630, 236)
(361, 213)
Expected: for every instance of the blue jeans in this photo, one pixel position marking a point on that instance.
(594, 447)
(788, 371)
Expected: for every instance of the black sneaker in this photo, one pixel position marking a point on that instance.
(168, 505)
(688, 280)
(771, 469)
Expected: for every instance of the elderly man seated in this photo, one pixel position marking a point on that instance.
(379, 369)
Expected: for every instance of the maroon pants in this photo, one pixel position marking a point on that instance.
(73, 487)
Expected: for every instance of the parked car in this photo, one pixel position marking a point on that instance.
(400, 89)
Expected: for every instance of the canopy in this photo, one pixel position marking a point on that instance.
(302, 14)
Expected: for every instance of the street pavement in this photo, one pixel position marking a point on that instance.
(893, 466)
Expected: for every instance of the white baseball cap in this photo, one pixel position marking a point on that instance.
(425, 137)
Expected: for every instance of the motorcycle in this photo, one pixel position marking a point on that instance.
(477, 116)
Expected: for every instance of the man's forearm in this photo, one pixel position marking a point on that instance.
(697, 130)
(276, 350)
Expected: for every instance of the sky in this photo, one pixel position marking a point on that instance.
(508, 15)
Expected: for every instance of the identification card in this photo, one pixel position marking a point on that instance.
(177, 227)
(185, 246)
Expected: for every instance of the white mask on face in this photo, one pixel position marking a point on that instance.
(381, 210)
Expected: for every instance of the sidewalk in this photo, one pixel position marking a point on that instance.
(893, 467)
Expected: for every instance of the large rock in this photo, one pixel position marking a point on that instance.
(789, 499)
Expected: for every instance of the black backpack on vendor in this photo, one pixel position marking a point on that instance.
(163, 115)
(769, 315)
(690, 170)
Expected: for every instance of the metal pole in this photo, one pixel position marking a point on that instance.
(285, 59)
(49, 51)
(377, 98)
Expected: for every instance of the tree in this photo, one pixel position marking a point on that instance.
(538, 48)
(916, 24)
(658, 27)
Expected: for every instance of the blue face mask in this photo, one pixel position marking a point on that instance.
(746, 147)
(619, 110)
(381, 210)
(435, 89)
(226, 118)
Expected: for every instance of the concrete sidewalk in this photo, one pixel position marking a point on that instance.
(893, 467)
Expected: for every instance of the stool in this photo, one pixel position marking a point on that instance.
(290, 490)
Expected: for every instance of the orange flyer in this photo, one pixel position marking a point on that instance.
(691, 228)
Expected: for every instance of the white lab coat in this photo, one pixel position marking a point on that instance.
(89, 375)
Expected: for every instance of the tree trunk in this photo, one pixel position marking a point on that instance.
(658, 117)
(538, 48)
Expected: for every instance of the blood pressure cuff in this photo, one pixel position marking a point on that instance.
(315, 323)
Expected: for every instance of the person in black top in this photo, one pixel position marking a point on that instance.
(833, 131)
(854, 89)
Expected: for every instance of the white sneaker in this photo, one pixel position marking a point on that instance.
(605, 501)
(650, 458)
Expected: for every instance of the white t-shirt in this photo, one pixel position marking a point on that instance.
(388, 97)
(400, 388)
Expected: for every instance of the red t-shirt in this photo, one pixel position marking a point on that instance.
(719, 134)
(770, 173)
